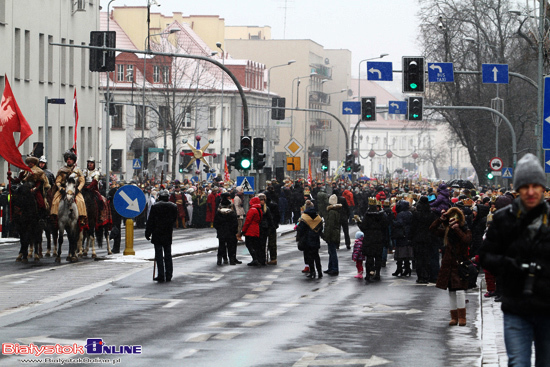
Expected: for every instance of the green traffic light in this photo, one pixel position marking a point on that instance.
(413, 85)
(368, 116)
(490, 176)
(245, 164)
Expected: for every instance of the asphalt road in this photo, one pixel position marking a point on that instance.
(230, 315)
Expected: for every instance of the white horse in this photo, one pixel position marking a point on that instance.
(68, 219)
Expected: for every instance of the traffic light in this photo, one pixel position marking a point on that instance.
(324, 160)
(245, 154)
(206, 169)
(356, 167)
(234, 159)
(368, 109)
(489, 175)
(413, 74)
(102, 60)
(415, 106)
(181, 168)
(259, 156)
(349, 162)
(277, 113)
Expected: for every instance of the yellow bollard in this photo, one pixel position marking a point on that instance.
(129, 249)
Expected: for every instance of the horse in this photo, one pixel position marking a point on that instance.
(26, 216)
(50, 229)
(67, 219)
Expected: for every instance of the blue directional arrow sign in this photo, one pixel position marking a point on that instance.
(129, 201)
(507, 172)
(136, 164)
(495, 73)
(397, 107)
(379, 70)
(547, 161)
(351, 108)
(247, 183)
(546, 116)
(441, 72)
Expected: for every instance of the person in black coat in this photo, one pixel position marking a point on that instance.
(227, 227)
(116, 219)
(158, 230)
(422, 239)
(344, 215)
(401, 234)
(271, 201)
(265, 227)
(310, 227)
(375, 226)
(296, 202)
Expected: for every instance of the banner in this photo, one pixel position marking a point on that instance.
(75, 116)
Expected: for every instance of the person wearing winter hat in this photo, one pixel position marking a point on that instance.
(357, 254)
(226, 225)
(516, 251)
(251, 230)
(331, 233)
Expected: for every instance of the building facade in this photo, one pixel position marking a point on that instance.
(38, 71)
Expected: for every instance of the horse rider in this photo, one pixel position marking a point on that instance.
(61, 181)
(43, 164)
(91, 176)
(38, 179)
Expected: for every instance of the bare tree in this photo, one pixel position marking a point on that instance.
(469, 33)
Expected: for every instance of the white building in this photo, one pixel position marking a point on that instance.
(37, 70)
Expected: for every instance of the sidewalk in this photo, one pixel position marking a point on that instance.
(493, 351)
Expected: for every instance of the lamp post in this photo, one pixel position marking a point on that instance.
(306, 150)
(292, 100)
(147, 44)
(222, 167)
(108, 119)
(268, 135)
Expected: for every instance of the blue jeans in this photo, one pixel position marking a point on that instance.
(332, 257)
(519, 334)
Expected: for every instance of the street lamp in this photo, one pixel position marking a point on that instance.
(147, 44)
(222, 167)
(297, 99)
(306, 150)
(268, 135)
(108, 127)
(359, 76)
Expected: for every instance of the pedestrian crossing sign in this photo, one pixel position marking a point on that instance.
(136, 164)
(247, 183)
(507, 172)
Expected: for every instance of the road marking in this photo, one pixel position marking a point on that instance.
(239, 304)
(199, 338)
(259, 289)
(274, 313)
(253, 323)
(266, 282)
(312, 352)
(214, 276)
(226, 336)
(185, 353)
(250, 296)
(229, 314)
(171, 301)
(218, 324)
(271, 276)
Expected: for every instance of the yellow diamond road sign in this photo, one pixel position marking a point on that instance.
(294, 147)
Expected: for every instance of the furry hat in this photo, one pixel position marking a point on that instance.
(456, 212)
(528, 171)
(333, 199)
(359, 235)
(31, 159)
(309, 204)
(225, 202)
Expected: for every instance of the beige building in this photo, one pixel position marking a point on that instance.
(37, 70)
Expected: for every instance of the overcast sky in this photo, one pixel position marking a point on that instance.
(367, 28)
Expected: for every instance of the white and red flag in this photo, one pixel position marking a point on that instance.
(11, 121)
(75, 116)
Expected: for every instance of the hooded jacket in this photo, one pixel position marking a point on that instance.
(442, 200)
(375, 226)
(310, 227)
(251, 226)
(332, 221)
(226, 222)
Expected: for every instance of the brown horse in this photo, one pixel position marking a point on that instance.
(26, 217)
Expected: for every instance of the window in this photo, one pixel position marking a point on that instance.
(2, 11)
(165, 74)
(116, 160)
(156, 74)
(50, 59)
(17, 54)
(41, 57)
(129, 73)
(164, 112)
(71, 64)
(212, 119)
(187, 117)
(117, 119)
(63, 68)
(27, 56)
(120, 73)
(141, 121)
(83, 70)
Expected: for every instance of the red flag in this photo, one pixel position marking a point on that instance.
(11, 121)
(226, 176)
(309, 179)
(75, 116)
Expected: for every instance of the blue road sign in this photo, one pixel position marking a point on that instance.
(441, 72)
(56, 100)
(247, 183)
(546, 115)
(379, 70)
(351, 108)
(507, 172)
(136, 164)
(195, 179)
(397, 107)
(210, 177)
(495, 73)
(547, 161)
(129, 201)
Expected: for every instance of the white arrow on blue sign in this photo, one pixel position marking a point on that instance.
(546, 115)
(495, 73)
(351, 108)
(441, 72)
(379, 70)
(129, 201)
(397, 107)
(547, 161)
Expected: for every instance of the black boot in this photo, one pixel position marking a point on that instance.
(407, 271)
(376, 275)
(219, 260)
(398, 272)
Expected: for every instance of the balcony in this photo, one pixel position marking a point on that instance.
(319, 97)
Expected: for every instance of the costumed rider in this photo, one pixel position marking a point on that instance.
(43, 165)
(63, 174)
(38, 179)
(91, 176)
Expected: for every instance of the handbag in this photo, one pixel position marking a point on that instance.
(301, 240)
(467, 270)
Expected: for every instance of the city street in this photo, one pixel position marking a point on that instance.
(231, 315)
